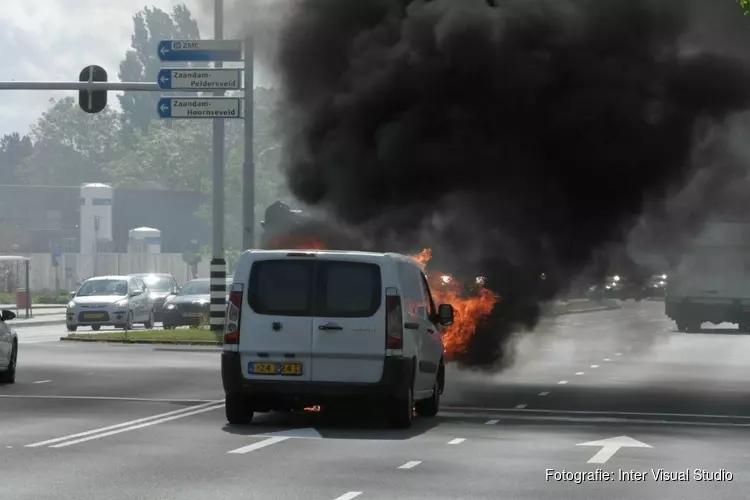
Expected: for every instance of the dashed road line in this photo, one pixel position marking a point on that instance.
(607, 359)
(112, 398)
(521, 406)
(259, 445)
(456, 441)
(491, 422)
(42, 382)
(349, 495)
(562, 382)
(619, 353)
(579, 373)
(545, 393)
(594, 366)
(410, 465)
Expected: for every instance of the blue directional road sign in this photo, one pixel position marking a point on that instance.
(199, 79)
(57, 251)
(200, 107)
(200, 50)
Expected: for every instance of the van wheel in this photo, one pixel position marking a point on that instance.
(400, 411)
(429, 407)
(238, 410)
(96, 328)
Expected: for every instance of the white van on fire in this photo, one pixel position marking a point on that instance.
(307, 328)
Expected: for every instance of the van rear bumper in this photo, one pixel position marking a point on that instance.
(396, 379)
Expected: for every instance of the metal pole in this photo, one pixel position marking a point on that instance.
(28, 288)
(218, 266)
(248, 167)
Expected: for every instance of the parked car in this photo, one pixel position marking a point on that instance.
(160, 286)
(8, 348)
(191, 306)
(307, 328)
(119, 301)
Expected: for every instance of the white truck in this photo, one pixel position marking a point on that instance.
(712, 282)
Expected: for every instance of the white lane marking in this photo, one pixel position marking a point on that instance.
(410, 465)
(562, 382)
(607, 359)
(136, 427)
(108, 398)
(491, 422)
(596, 412)
(579, 373)
(544, 393)
(41, 382)
(349, 495)
(521, 406)
(118, 426)
(594, 366)
(259, 444)
(456, 441)
(619, 353)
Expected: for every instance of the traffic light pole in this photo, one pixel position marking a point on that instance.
(218, 266)
(248, 166)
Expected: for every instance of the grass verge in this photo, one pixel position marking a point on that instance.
(177, 336)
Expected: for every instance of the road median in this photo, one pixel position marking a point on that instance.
(180, 336)
(580, 306)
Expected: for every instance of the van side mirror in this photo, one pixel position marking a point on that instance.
(73, 293)
(136, 293)
(445, 314)
(8, 315)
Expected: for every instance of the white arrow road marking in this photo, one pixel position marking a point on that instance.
(610, 446)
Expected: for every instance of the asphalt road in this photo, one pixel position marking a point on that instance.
(105, 422)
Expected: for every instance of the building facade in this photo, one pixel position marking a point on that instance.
(34, 219)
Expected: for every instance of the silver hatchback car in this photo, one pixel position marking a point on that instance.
(118, 301)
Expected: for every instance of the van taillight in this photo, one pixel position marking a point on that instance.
(233, 316)
(394, 327)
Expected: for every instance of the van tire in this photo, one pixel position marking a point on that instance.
(238, 410)
(431, 406)
(400, 411)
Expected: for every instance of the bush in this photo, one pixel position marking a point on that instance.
(37, 298)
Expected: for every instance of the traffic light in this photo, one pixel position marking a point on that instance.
(96, 101)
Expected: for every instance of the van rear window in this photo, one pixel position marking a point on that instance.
(337, 289)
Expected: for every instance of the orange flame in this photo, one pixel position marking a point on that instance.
(468, 311)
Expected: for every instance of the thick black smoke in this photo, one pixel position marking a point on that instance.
(514, 139)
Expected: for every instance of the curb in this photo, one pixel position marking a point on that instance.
(144, 341)
(38, 323)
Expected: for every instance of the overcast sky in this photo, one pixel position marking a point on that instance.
(46, 40)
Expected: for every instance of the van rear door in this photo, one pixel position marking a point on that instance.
(349, 326)
(276, 330)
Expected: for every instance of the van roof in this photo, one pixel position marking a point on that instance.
(284, 253)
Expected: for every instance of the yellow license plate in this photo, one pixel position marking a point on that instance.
(294, 369)
(93, 315)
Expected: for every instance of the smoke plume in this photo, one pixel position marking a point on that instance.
(514, 137)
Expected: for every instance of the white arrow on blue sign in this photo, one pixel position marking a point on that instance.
(199, 79)
(200, 50)
(200, 107)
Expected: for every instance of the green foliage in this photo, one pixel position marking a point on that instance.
(141, 63)
(14, 149)
(70, 146)
(745, 4)
(37, 298)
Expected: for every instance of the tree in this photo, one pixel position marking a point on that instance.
(141, 63)
(14, 149)
(71, 147)
(745, 4)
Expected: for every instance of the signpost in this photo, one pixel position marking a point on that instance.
(200, 50)
(199, 79)
(200, 107)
